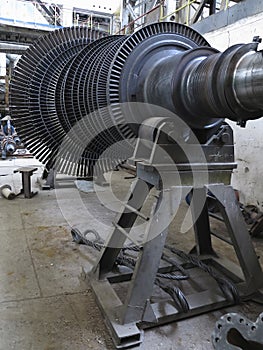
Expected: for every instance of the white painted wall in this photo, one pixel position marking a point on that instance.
(96, 5)
(20, 13)
(2, 64)
(248, 178)
(103, 6)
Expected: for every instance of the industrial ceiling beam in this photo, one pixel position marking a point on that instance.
(17, 49)
(21, 35)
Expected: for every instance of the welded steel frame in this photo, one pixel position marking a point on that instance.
(211, 4)
(126, 320)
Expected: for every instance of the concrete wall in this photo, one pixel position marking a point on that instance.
(248, 177)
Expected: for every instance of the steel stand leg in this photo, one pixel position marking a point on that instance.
(136, 307)
(126, 219)
(201, 222)
(240, 237)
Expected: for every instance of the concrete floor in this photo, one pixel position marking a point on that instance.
(45, 300)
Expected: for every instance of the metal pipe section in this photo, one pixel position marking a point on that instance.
(6, 192)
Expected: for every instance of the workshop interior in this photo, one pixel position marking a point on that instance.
(131, 191)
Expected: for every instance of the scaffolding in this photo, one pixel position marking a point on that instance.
(136, 14)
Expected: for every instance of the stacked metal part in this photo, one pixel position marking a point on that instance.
(78, 96)
(38, 76)
(61, 88)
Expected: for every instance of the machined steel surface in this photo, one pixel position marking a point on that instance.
(231, 81)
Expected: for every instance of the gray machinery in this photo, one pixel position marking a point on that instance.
(165, 84)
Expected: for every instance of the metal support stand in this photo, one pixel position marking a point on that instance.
(26, 172)
(101, 181)
(126, 319)
(48, 179)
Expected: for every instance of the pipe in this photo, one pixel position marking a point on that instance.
(187, 4)
(6, 192)
(139, 17)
